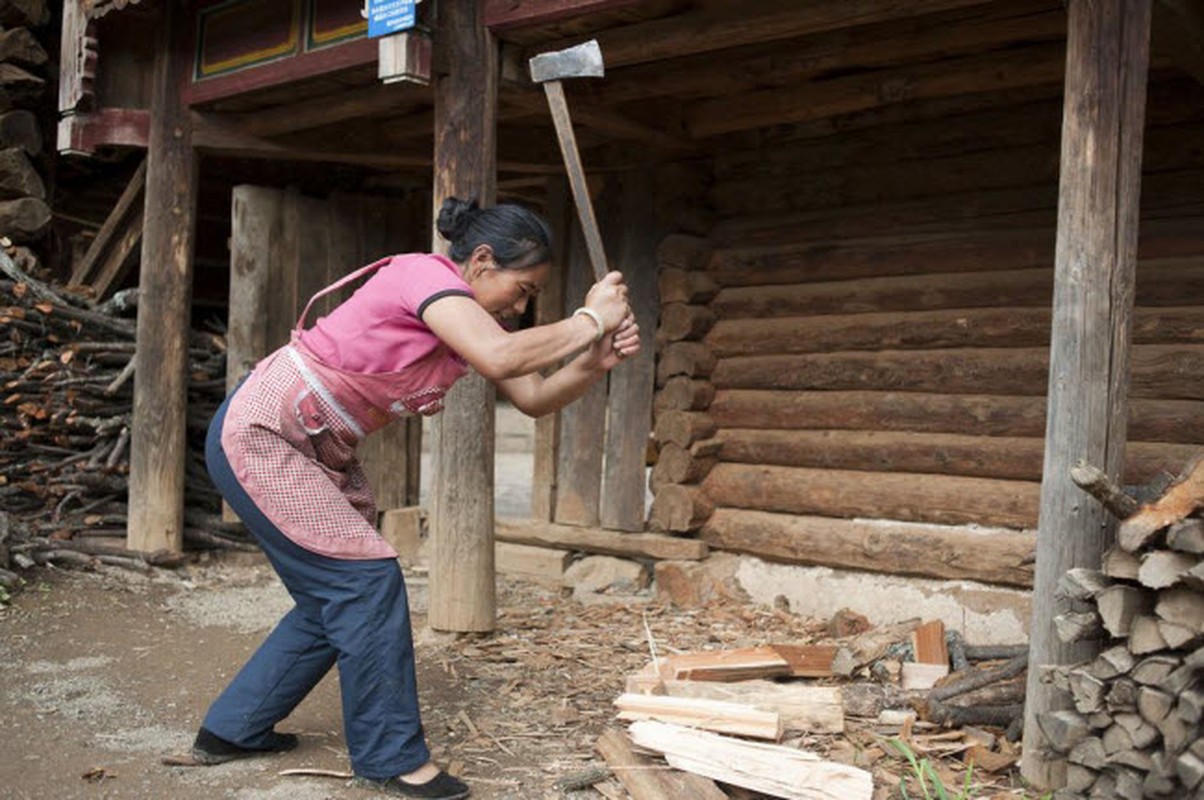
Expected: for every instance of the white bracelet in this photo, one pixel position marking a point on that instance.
(589, 312)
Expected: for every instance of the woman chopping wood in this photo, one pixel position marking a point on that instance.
(281, 449)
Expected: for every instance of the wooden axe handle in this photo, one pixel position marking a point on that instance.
(572, 164)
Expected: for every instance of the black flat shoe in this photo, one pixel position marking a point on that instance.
(440, 787)
(209, 748)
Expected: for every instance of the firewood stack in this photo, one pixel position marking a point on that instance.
(686, 452)
(1134, 728)
(67, 368)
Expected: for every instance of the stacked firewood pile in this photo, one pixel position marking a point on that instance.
(1135, 727)
(24, 69)
(67, 367)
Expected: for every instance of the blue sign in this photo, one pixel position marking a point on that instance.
(390, 16)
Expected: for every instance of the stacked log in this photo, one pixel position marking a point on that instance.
(67, 365)
(1134, 726)
(24, 212)
(683, 429)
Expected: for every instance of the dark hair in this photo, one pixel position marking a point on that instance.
(519, 237)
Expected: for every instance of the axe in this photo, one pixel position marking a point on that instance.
(581, 61)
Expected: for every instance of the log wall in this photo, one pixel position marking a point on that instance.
(864, 335)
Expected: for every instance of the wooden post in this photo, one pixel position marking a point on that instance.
(463, 596)
(583, 423)
(1106, 64)
(157, 444)
(631, 384)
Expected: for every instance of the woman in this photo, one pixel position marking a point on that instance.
(281, 450)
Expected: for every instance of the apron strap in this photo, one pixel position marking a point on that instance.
(339, 284)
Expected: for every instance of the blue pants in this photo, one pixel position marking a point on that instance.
(351, 613)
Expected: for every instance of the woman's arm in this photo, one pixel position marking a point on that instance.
(499, 355)
(535, 395)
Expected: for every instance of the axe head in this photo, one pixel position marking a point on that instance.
(581, 61)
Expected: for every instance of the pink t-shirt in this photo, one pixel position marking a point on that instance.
(380, 328)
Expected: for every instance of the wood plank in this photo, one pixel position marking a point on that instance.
(774, 769)
(970, 29)
(931, 551)
(1095, 267)
(1150, 420)
(158, 442)
(629, 419)
(803, 708)
(725, 25)
(598, 540)
(536, 563)
(463, 584)
(1008, 69)
(739, 664)
(644, 778)
(807, 660)
(583, 423)
(703, 713)
(502, 15)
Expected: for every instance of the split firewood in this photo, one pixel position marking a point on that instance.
(1063, 729)
(1118, 605)
(1078, 626)
(864, 648)
(1164, 568)
(802, 707)
(1081, 584)
(712, 715)
(1187, 536)
(1120, 564)
(1096, 483)
(644, 779)
(725, 665)
(1184, 496)
(772, 769)
(807, 660)
(1182, 606)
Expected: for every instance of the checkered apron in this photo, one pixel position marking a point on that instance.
(292, 429)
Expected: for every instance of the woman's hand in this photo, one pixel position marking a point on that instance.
(608, 297)
(614, 349)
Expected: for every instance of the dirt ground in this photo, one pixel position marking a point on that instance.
(106, 672)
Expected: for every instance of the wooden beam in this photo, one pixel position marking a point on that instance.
(463, 583)
(932, 551)
(157, 445)
(117, 127)
(937, 499)
(330, 109)
(502, 15)
(960, 31)
(806, 101)
(604, 120)
(107, 258)
(353, 53)
(980, 415)
(597, 540)
(1094, 273)
(733, 24)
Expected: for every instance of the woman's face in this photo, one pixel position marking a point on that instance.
(503, 292)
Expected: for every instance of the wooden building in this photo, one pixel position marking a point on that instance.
(862, 236)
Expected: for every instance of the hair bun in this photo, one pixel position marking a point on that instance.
(455, 216)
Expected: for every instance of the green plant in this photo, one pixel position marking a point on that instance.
(931, 786)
